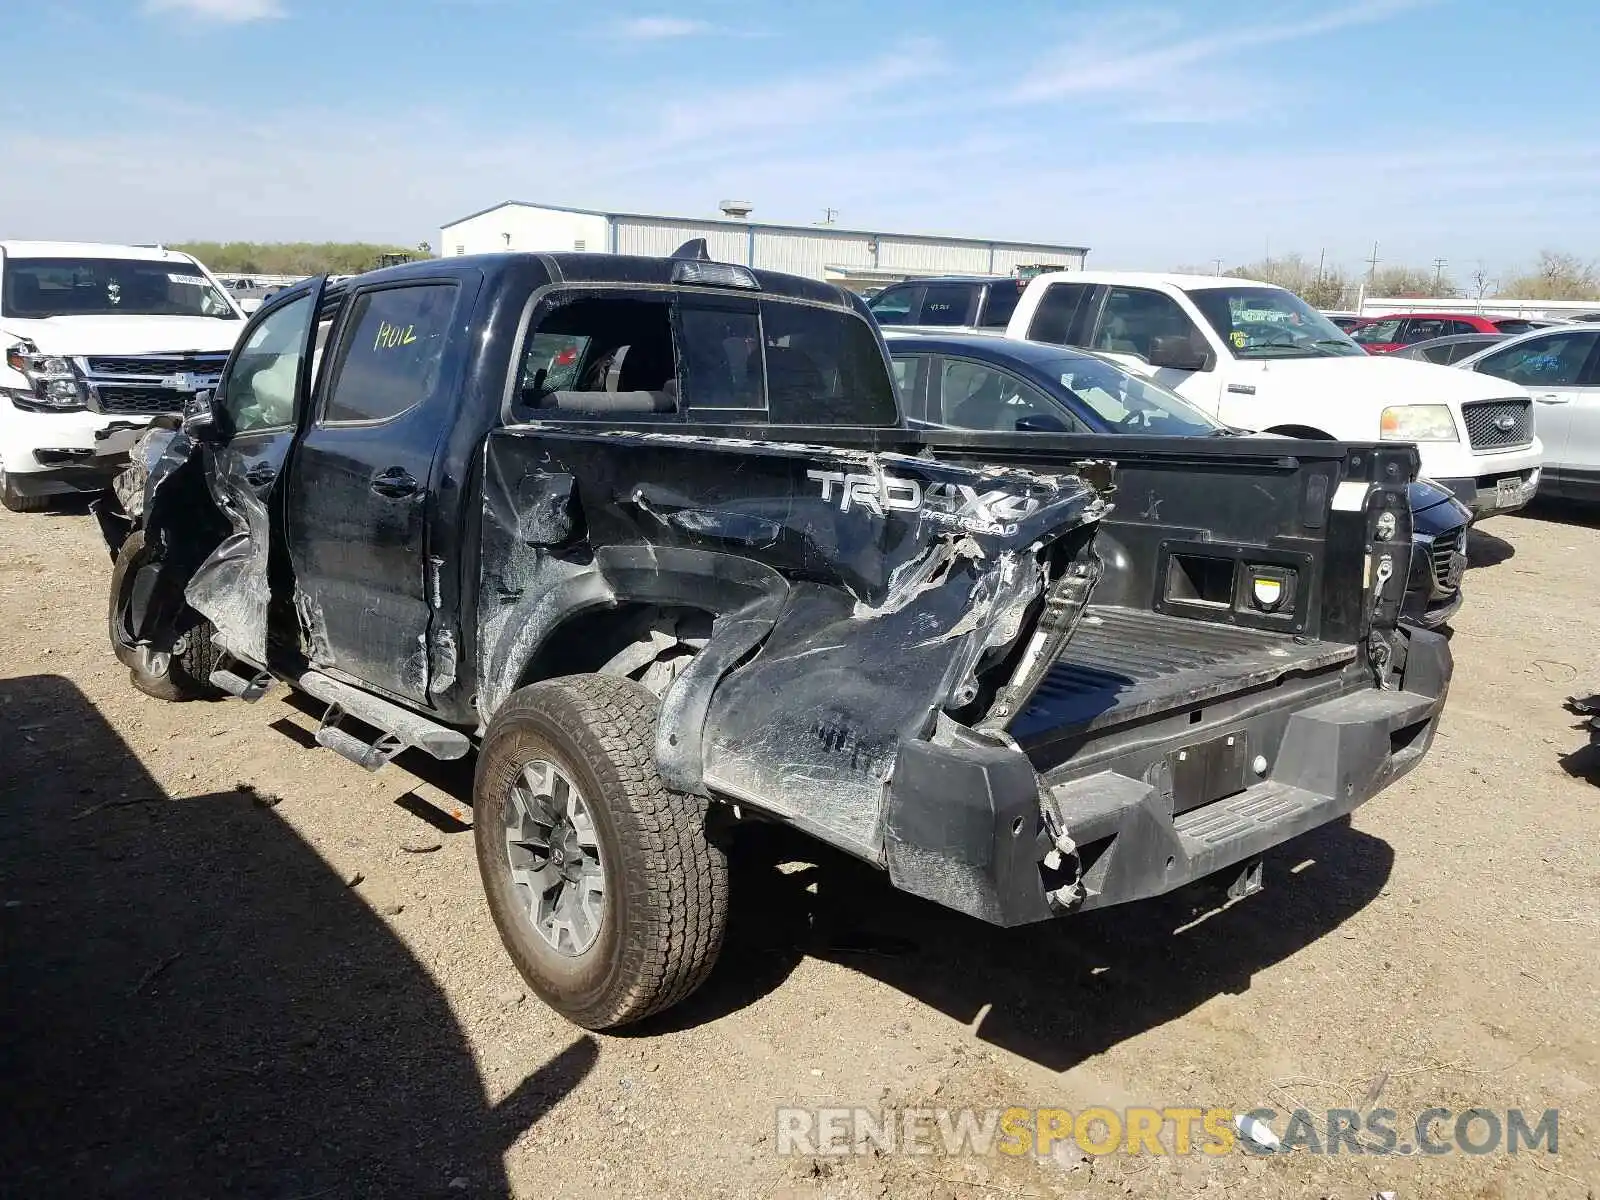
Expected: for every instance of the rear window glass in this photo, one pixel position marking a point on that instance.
(393, 352)
(824, 368)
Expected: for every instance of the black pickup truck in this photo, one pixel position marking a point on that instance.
(653, 536)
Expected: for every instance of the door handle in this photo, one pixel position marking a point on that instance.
(260, 475)
(396, 483)
(1553, 398)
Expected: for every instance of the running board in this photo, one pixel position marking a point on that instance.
(247, 688)
(399, 727)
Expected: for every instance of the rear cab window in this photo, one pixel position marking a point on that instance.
(704, 355)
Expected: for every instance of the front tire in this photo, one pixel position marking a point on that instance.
(181, 672)
(606, 890)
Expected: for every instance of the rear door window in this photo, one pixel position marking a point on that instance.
(1062, 315)
(1425, 329)
(393, 347)
(1555, 360)
(948, 304)
(1000, 303)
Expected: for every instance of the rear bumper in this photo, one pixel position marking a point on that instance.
(964, 823)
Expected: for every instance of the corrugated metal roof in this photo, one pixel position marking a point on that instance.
(744, 224)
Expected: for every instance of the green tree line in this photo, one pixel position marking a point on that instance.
(1555, 276)
(293, 258)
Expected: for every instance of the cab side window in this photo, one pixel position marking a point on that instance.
(1135, 317)
(264, 377)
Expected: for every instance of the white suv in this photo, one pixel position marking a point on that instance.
(1258, 357)
(98, 341)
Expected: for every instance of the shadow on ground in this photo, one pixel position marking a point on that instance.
(1486, 550)
(1584, 763)
(195, 1005)
(1055, 993)
(1563, 512)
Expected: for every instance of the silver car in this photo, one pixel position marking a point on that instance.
(1561, 367)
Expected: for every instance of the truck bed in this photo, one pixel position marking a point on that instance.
(1126, 663)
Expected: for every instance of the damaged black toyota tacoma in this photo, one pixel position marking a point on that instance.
(653, 537)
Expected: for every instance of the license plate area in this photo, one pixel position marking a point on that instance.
(1209, 770)
(1508, 492)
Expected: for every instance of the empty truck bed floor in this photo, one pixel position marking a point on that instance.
(1125, 663)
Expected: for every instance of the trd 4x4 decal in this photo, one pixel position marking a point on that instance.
(961, 504)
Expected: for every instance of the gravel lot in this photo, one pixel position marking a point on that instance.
(238, 966)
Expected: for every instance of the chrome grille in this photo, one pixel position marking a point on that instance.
(147, 385)
(158, 364)
(1448, 559)
(139, 401)
(1498, 424)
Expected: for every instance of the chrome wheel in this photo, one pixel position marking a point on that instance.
(555, 858)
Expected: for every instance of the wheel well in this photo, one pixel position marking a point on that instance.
(1301, 431)
(591, 641)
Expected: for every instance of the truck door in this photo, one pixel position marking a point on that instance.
(358, 498)
(259, 402)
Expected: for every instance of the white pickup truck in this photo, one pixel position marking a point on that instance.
(98, 341)
(1258, 357)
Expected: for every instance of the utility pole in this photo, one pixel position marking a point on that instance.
(1438, 275)
(1372, 267)
(1216, 266)
(1322, 261)
(828, 214)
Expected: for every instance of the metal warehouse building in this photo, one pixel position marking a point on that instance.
(856, 258)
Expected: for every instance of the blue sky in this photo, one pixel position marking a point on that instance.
(1160, 134)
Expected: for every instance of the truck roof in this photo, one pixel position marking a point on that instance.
(17, 249)
(1153, 279)
(622, 269)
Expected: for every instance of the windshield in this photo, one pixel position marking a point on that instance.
(1269, 322)
(1128, 402)
(76, 287)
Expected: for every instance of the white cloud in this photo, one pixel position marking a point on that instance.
(1099, 62)
(656, 29)
(226, 12)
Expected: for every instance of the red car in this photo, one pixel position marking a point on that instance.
(1380, 335)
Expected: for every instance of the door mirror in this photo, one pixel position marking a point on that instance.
(1041, 423)
(200, 418)
(1179, 353)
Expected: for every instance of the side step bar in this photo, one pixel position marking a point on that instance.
(401, 727)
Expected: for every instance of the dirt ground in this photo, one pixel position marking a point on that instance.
(238, 966)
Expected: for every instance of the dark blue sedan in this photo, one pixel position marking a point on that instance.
(978, 381)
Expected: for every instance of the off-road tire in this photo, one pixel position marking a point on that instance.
(188, 673)
(665, 901)
(17, 502)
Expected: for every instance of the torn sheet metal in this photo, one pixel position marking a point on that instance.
(858, 594)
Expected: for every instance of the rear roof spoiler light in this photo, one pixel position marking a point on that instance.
(693, 264)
